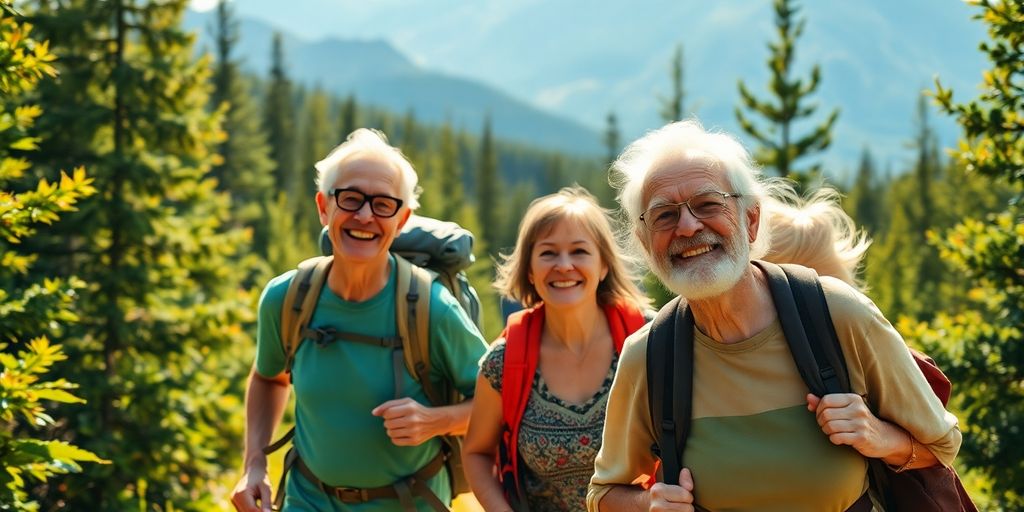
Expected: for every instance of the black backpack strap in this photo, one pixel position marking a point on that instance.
(670, 369)
(811, 335)
(817, 320)
(797, 309)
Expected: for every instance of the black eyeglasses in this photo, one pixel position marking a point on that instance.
(702, 206)
(352, 200)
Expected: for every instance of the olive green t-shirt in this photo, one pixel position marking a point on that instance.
(753, 445)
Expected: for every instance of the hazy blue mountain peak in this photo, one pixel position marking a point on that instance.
(575, 59)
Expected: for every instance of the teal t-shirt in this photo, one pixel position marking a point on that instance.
(337, 385)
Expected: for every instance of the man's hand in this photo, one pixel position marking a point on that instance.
(665, 497)
(252, 488)
(846, 419)
(410, 423)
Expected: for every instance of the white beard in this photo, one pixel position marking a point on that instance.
(708, 278)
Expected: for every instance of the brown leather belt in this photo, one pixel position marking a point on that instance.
(361, 495)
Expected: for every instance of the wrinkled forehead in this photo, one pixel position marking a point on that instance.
(677, 177)
(368, 168)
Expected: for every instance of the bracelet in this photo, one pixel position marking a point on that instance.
(910, 461)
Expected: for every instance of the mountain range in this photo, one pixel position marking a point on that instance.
(549, 72)
(378, 74)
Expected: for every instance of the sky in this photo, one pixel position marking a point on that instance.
(582, 59)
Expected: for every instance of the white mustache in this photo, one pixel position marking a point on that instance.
(681, 245)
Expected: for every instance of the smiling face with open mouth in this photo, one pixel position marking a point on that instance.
(362, 235)
(697, 258)
(566, 265)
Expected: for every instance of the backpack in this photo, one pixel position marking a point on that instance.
(522, 353)
(426, 250)
(810, 334)
(443, 248)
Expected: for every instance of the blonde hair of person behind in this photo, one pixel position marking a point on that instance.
(816, 233)
(577, 205)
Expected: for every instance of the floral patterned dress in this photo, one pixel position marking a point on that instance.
(558, 441)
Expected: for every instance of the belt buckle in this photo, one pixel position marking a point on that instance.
(351, 494)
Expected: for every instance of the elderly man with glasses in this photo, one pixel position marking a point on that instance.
(758, 440)
(364, 438)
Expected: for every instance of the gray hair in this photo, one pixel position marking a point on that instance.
(369, 141)
(688, 140)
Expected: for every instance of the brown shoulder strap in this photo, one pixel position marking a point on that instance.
(451, 282)
(412, 312)
(299, 303)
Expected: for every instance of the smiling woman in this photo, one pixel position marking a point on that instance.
(544, 383)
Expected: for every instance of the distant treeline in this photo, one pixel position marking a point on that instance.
(149, 195)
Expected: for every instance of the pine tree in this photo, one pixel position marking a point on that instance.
(446, 172)
(285, 248)
(893, 265)
(444, 198)
(779, 147)
(410, 139)
(672, 107)
(159, 351)
(554, 174)
(32, 309)
(865, 198)
(316, 139)
(612, 139)
(279, 120)
(285, 256)
(908, 274)
(245, 170)
(487, 185)
(348, 117)
(981, 348)
(927, 173)
(598, 184)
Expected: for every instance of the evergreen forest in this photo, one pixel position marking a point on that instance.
(148, 194)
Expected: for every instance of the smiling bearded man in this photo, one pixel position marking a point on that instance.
(757, 440)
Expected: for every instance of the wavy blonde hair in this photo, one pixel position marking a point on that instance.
(815, 232)
(568, 204)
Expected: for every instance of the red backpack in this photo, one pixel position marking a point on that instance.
(522, 351)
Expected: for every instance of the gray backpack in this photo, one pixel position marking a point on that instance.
(443, 248)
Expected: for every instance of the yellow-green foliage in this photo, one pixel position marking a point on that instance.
(27, 460)
(30, 309)
(164, 343)
(981, 347)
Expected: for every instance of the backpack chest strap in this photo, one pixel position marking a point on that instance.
(326, 335)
